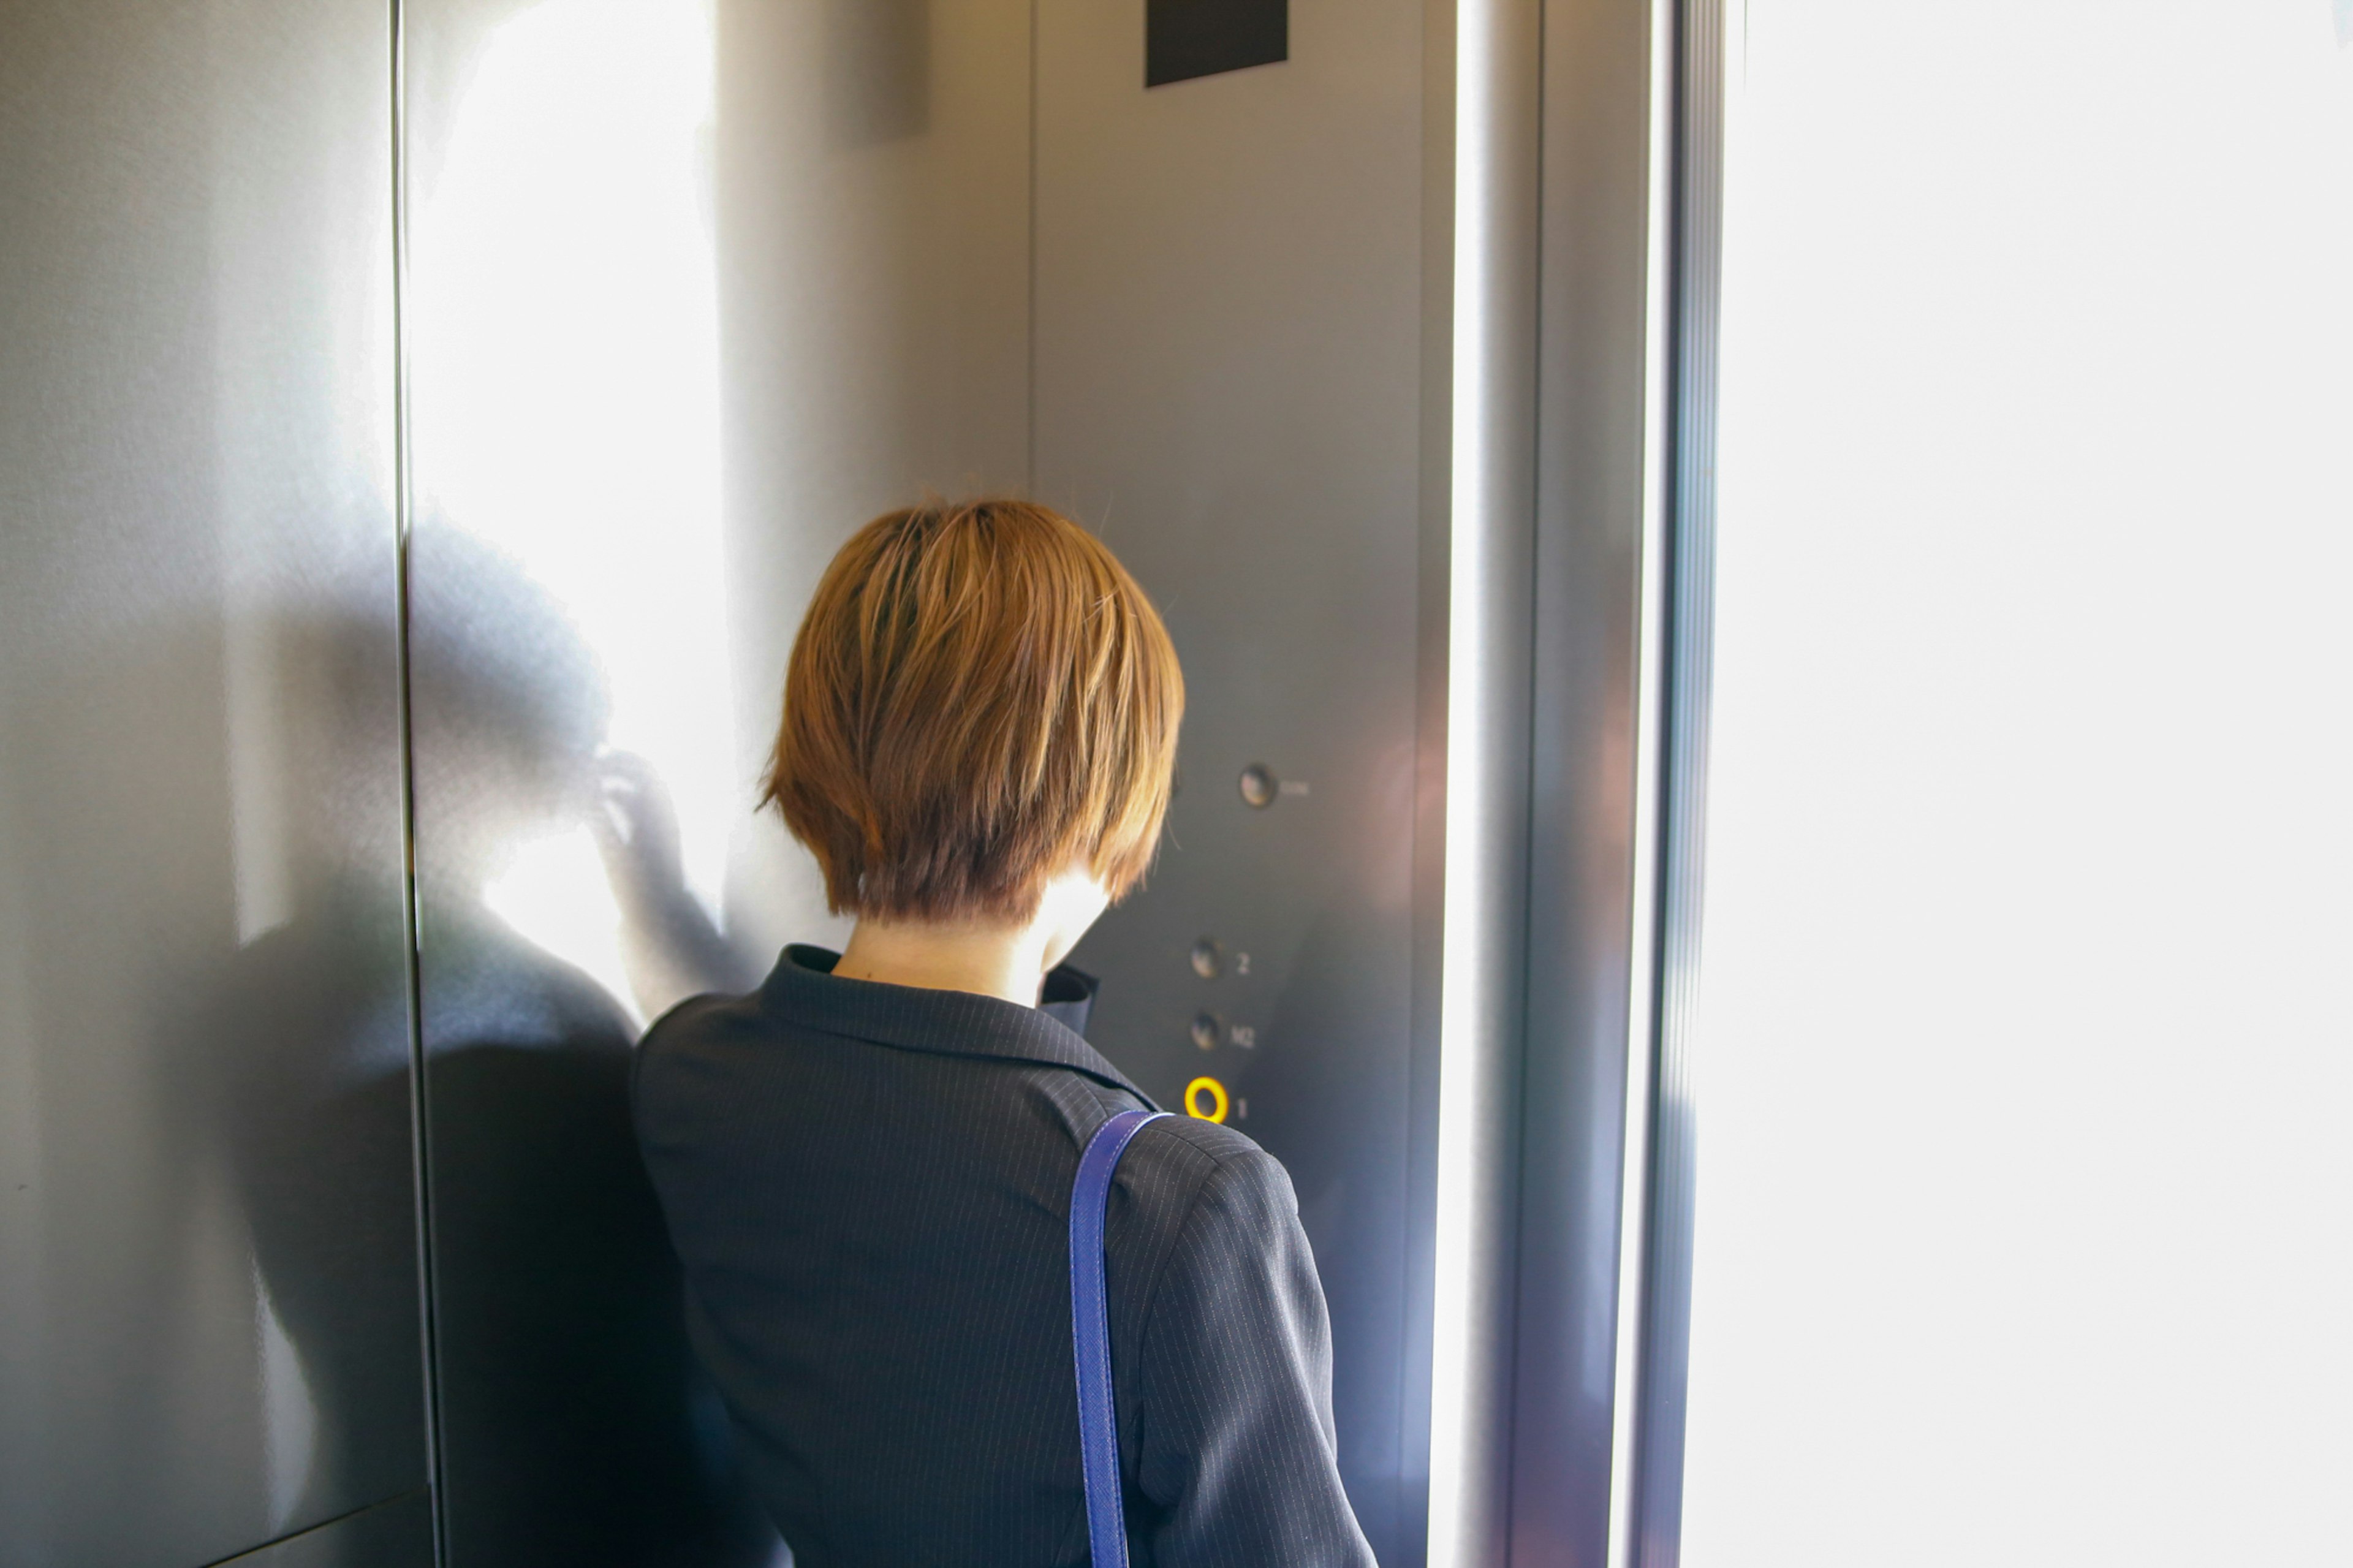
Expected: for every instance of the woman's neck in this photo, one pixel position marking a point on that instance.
(993, 960)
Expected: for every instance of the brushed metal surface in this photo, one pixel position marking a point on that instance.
(1601, 471)
(1490, 558)
(208, 1317)
(395, 1533)
(693, 290)
(1231, 296)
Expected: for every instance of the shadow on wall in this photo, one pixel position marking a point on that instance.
(576, 1428)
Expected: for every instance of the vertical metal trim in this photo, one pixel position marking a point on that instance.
(1595, 743)
(1652, 698)
(1416, 1390)
(1699, 94)
(1490, 664)
(420, 1118)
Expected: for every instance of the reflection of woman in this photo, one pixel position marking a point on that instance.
(574, 1427)
(567, 1400)
(865, 1164)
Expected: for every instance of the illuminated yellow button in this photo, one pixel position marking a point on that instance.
(1206, 1089)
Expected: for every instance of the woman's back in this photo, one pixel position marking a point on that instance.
(869, 1185)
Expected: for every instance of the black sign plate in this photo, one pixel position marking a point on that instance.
(1186, 38)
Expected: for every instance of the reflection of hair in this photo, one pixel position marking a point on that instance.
(979, 694)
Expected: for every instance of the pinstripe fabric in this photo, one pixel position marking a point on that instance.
(869, 1186)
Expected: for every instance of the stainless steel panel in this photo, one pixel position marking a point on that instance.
(397, 1533)
(693, 290)
(208, 1319)
(1600, 474)
(1491, 556)
(1230, 339)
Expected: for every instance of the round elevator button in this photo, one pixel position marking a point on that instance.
(1258, 787)
(1207, 1030)
(1206, 959)
(1205, 1099)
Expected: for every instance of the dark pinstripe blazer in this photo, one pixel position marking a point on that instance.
(869, 1186)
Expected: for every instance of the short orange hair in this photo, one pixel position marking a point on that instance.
(979, 695)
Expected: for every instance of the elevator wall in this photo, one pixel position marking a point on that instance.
(208, 1293)
(1230, 295)
(538, 479)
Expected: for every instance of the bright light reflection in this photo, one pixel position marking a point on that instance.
(2025, 1188)
(566, 352)
(1460, 1446)
(553, 890)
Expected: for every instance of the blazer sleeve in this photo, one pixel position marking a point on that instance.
(1239, 1457)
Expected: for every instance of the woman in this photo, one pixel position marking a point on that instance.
(865, 1164)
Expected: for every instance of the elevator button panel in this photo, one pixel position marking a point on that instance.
(1229, 350)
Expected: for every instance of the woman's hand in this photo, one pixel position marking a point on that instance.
(672, 947)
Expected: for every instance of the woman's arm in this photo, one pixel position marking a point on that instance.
(1237, 1442)
(669, 946)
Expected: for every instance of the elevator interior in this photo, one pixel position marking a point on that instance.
(422, 433)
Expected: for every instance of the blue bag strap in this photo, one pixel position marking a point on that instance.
(1091, 1337)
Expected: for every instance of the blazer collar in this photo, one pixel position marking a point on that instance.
(804, 988)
